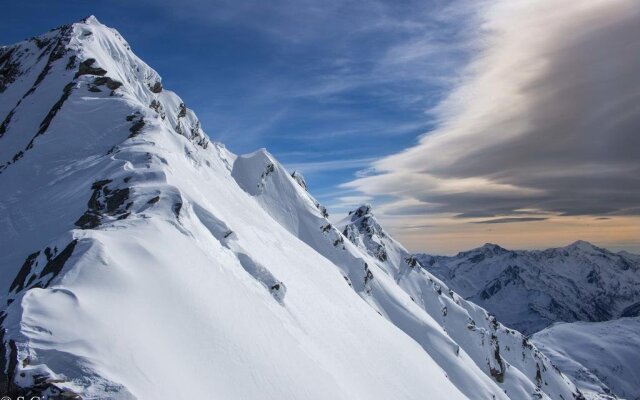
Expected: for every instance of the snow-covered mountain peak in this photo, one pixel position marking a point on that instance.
(91, 19)
(362, 228)
(488, 250)
(582, 244)
(112, 57)
(584, 247)
(362, 211)
(140, 259)
(85, 57)
(365, 223)
(363, 219)
(492, 247)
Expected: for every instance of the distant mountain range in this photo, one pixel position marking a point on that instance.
(581, 303)
(529, 290)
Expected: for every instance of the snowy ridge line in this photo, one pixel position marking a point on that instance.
(473, 328)
(373, 264)
(10, 68)
(67, 40)
(139, 260)
(55, 49)
(113, 197)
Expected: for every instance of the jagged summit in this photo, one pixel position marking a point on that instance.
(139, 259)
(85, 59)
(91, 19)
(363, 229)
(493, 247)
(583, 245)
(364, 209)
(486, 250)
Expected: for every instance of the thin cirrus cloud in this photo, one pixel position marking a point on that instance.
(311, 167)
(546, 117)
(510, 219)
(312, 77)
(360, 54)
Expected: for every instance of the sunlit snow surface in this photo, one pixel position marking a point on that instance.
(599, 356)
(140, 260)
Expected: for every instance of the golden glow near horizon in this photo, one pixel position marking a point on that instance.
(447, 235)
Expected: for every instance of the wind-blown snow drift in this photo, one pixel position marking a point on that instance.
(139, 259)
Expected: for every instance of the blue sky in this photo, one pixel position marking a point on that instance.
(463, 122)
(326, 88)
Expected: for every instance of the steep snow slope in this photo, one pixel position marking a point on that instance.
(601, 357)
(135, 266)
(139, 259)
(528, 290)
(404, 293)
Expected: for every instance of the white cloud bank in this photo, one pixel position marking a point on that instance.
(546, 119)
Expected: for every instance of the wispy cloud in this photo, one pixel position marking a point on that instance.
(355, 45)
(328, 165)
(509, 220)
(546, 117)
(317, 75)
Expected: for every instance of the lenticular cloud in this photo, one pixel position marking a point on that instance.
(546, 118)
